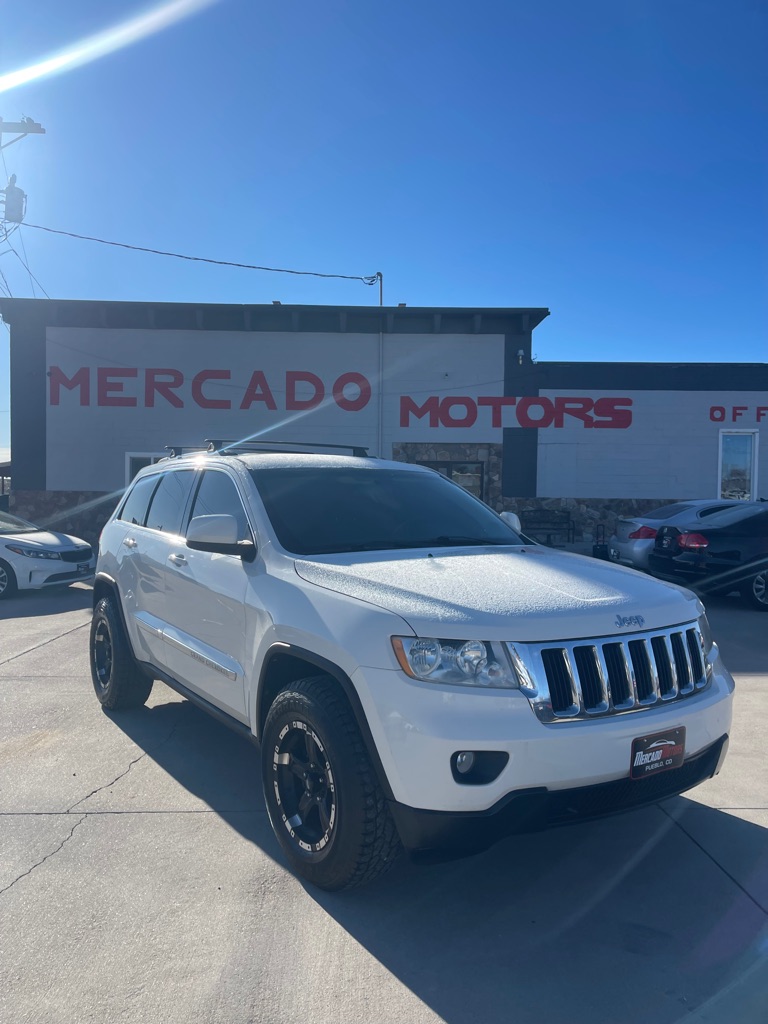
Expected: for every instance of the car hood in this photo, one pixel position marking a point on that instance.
(531, 593)
(48, 539)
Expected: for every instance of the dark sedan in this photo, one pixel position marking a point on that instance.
(727, 552)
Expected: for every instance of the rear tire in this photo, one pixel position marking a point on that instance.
(8, 585)
(324, 801)
(755, 591)
(117, 679)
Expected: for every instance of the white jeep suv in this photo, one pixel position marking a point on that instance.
(417, 673)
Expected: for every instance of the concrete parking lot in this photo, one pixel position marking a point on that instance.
(139, 880)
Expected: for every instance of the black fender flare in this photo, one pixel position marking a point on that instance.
(280, 648)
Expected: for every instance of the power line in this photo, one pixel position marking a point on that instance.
(32, 278)
(366, 279)
(31, 275)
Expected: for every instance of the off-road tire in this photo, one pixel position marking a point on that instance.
(362, 841)
(8, 586)
(118, 681)
(755, 591)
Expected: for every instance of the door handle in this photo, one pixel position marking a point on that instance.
(177, 559)
(129, 542)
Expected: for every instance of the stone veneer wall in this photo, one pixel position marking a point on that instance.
(81, 513)
(587, 513)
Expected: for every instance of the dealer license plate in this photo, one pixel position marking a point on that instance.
(657, 753)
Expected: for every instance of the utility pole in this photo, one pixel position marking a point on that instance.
(15, 198)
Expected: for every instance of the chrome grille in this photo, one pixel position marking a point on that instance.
(606, 676)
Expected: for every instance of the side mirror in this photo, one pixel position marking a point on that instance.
(218, 534)
(513, 520)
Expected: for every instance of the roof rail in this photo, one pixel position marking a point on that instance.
(223, 446)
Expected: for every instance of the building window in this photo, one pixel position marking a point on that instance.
(469, 474)
(134, 461)
(737, 473)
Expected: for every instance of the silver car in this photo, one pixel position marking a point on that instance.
(634, 538)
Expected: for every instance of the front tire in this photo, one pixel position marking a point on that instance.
(324, 801)
(755, 591)
(117, 679)
(8, 586)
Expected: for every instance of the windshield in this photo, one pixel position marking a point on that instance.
(12, 524)
(318, 511)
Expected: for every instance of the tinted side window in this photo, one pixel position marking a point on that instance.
(134, 509)
(712, 509)
(169, 501)
(218, 496)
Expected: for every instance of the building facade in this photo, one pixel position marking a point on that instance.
(99, 389)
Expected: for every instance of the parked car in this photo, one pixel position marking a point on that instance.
(728, 551)
(417, 673)
(635, 537)
(32, 558)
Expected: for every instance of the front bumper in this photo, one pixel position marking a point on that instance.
(532, 810)
(55, 574)
(418, 727)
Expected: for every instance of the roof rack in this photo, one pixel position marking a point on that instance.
(175, 451)
(223, 446)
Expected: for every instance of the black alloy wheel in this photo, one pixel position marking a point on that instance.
(304, 787)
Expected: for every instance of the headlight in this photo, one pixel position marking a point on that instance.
(457, 662)
(706, 633)
(34, 552)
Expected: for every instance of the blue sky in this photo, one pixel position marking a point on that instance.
(605, 159)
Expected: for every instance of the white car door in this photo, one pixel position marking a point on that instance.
(205, 604)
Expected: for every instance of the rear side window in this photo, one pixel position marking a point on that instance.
(134, 509)
(712, 509)
(666, 511)
(218, 495)
(170, 500)
(754, 525)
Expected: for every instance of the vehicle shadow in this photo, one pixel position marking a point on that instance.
(28, 604)
(619, 921)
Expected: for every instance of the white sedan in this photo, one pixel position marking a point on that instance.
(32, 558)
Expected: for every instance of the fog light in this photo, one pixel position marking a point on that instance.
(465, 761)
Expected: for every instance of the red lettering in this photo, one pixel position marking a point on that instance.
(197, 389)
(470, 411)
(577, 407)
(737, 411)
(526, 420)
(109, 390)
(352, 404)
(616, 416)
(81, 379)
(717, 413)
(430, 408)
(762, 411)
(163, 387)
(292, 378)
(258, 391)
(496, 405)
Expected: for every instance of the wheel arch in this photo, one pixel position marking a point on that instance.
(284, 663)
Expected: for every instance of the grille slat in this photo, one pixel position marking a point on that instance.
(608, 676)
(682, 663)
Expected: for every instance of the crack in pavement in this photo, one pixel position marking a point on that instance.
(85, 814)
(48, 856)
(37, 647)
(122, 774)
